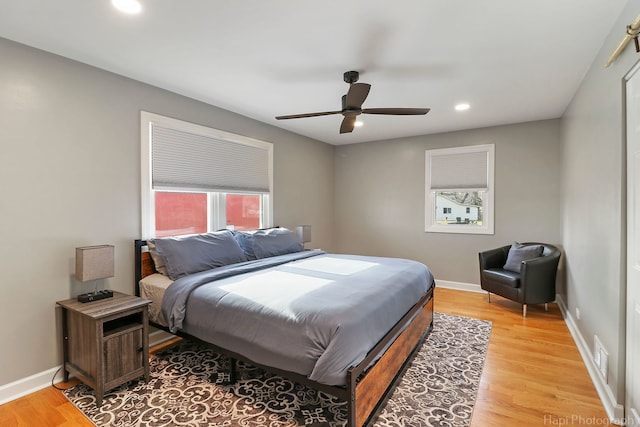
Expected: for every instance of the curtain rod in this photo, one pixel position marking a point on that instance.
(632, 33)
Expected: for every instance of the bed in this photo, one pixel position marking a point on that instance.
(343, 324)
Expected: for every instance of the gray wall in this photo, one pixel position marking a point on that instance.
(593, 211)
(70, 168)
(380, 196)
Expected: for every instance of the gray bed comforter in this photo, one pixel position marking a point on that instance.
(310, 312)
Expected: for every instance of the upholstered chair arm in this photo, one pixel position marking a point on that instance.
(538, 278)
(494, 258)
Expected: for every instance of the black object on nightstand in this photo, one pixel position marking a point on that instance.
(106, 342)
(95, 296)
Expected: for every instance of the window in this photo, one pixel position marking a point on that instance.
(197, 179)
(459, 189)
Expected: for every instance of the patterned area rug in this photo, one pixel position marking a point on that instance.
(439, 389)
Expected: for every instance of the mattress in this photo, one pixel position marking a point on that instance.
(153, 288)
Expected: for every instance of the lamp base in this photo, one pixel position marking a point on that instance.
(95, 296)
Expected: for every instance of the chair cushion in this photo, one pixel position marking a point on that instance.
(502, 277)
(519, 253)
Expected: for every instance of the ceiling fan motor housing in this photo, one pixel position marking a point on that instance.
(349, 109)
(351, 77)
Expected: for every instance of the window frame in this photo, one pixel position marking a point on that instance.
(488, 205)
(216, 206)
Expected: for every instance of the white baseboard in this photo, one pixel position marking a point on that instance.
(460, 286)
(28, 385)
(615, 411)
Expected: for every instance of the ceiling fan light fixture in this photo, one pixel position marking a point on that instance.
(358, 124)
(463, 106)
(131, 7)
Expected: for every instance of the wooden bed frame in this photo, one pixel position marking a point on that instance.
(368, 387)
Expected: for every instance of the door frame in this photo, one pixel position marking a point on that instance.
(632, 191)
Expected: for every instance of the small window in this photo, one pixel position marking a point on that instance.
(459, 190)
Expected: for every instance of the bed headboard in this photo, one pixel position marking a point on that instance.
(143, 263)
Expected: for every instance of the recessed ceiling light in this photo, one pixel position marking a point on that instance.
(131, 7)
(358, 124)
(462, 106)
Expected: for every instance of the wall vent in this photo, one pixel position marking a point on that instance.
(600, 357)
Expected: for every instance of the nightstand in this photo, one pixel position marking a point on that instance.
(106, 342)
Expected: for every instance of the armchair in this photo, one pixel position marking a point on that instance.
(535, 283)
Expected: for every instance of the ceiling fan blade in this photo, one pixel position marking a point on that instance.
(299, 116)
(397, 111)
(348, 123)
(356, 95)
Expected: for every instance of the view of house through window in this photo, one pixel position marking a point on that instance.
(243, 211)
(180, 213)
(458, 207)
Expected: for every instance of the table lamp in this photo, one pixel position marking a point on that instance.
(93, 263)
(304, 233)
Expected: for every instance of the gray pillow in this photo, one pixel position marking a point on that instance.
(258, 244)
(519, 253)
(158, 261)
(199, 252)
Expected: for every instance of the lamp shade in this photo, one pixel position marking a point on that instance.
(304, 232)
(94, 262)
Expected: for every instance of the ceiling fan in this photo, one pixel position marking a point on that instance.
(352, 105)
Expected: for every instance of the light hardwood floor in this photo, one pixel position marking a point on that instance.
(533, 373)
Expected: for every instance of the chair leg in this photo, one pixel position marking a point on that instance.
(524, 310)
(546, 306)
(489, 295)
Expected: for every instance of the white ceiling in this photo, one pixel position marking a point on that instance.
(513, 61)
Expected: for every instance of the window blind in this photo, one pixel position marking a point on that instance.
(185, 160)
(459, 171)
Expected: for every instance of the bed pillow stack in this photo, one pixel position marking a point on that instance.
(269, 242)
(180, 256)
(194, 253)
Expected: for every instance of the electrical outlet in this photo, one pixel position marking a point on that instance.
(577, 313)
